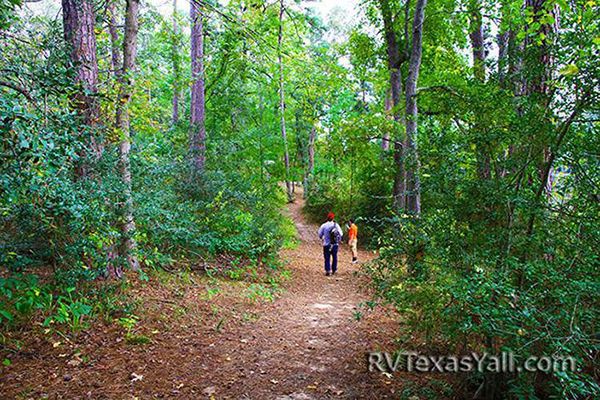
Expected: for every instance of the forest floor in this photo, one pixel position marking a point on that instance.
(213, 339)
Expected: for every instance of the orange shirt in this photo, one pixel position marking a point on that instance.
(352, 232)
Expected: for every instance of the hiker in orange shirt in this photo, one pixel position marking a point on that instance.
(353, 240)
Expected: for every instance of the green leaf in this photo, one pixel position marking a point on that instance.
(8, 316)
(569, 70)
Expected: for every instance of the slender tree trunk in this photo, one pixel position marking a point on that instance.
(115, 61)
(394, 62)
(198, 116)
(502, 55)
(413, 184)
(385, 141)
(478, 51)
(503, 38)
(78, 25)
(176, 69)
(128, 244)
(310, 168)
(477, 41)
(286, 155)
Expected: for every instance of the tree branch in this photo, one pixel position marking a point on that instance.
(18, 88)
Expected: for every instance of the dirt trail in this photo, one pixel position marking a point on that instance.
(307, 344)
(310, 345)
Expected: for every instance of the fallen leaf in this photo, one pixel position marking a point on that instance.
(209, 391)
(75, 362)
(135, 377)
(274, 381)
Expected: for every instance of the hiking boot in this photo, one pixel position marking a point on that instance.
(327, 273)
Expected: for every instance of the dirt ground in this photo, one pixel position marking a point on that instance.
(306, 344)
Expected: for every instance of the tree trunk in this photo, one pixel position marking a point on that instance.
(503, 38)
(198, 116)
(477, 42)
(176, 69)
(286, 155)
(114, 39)
(78, 25)
(394, 62)
(540, 60)
(310, 168)
(478, 51)
(413, 183)
(128, 244)
(385, 141)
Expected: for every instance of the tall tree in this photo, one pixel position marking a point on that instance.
(395, 59)
(538, 60)
(385, 141)
(115, 60)
(310, 166)
(78, 25)
(286, 155)
(478, 54)
(413, 183)
(198, 114)
(128, 244)
(176, 66)
(476, 38)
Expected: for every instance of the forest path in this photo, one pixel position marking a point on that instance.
(309, 345)
(208, 339)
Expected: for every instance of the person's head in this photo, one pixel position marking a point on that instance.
(330, 216)
(350, 221)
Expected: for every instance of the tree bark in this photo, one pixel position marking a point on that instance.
(539, 60)
(198, 115)
(78, 26)
(310, 168)
(478, 52)
(116, 63)
(477, 41)
(385, 141)
(413, 183)
(503, 39)
(286, 155)
(176, 67)
(395, 60)
(128, 244)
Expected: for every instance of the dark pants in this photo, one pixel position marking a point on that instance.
(330, 255)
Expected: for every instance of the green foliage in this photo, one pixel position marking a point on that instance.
(494, 262)
(7, 10)
(69, 312)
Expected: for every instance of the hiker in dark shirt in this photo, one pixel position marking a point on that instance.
(331, 235)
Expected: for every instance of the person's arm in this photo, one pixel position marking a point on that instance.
(320, 232)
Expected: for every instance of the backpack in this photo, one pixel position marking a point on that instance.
(334, 235)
